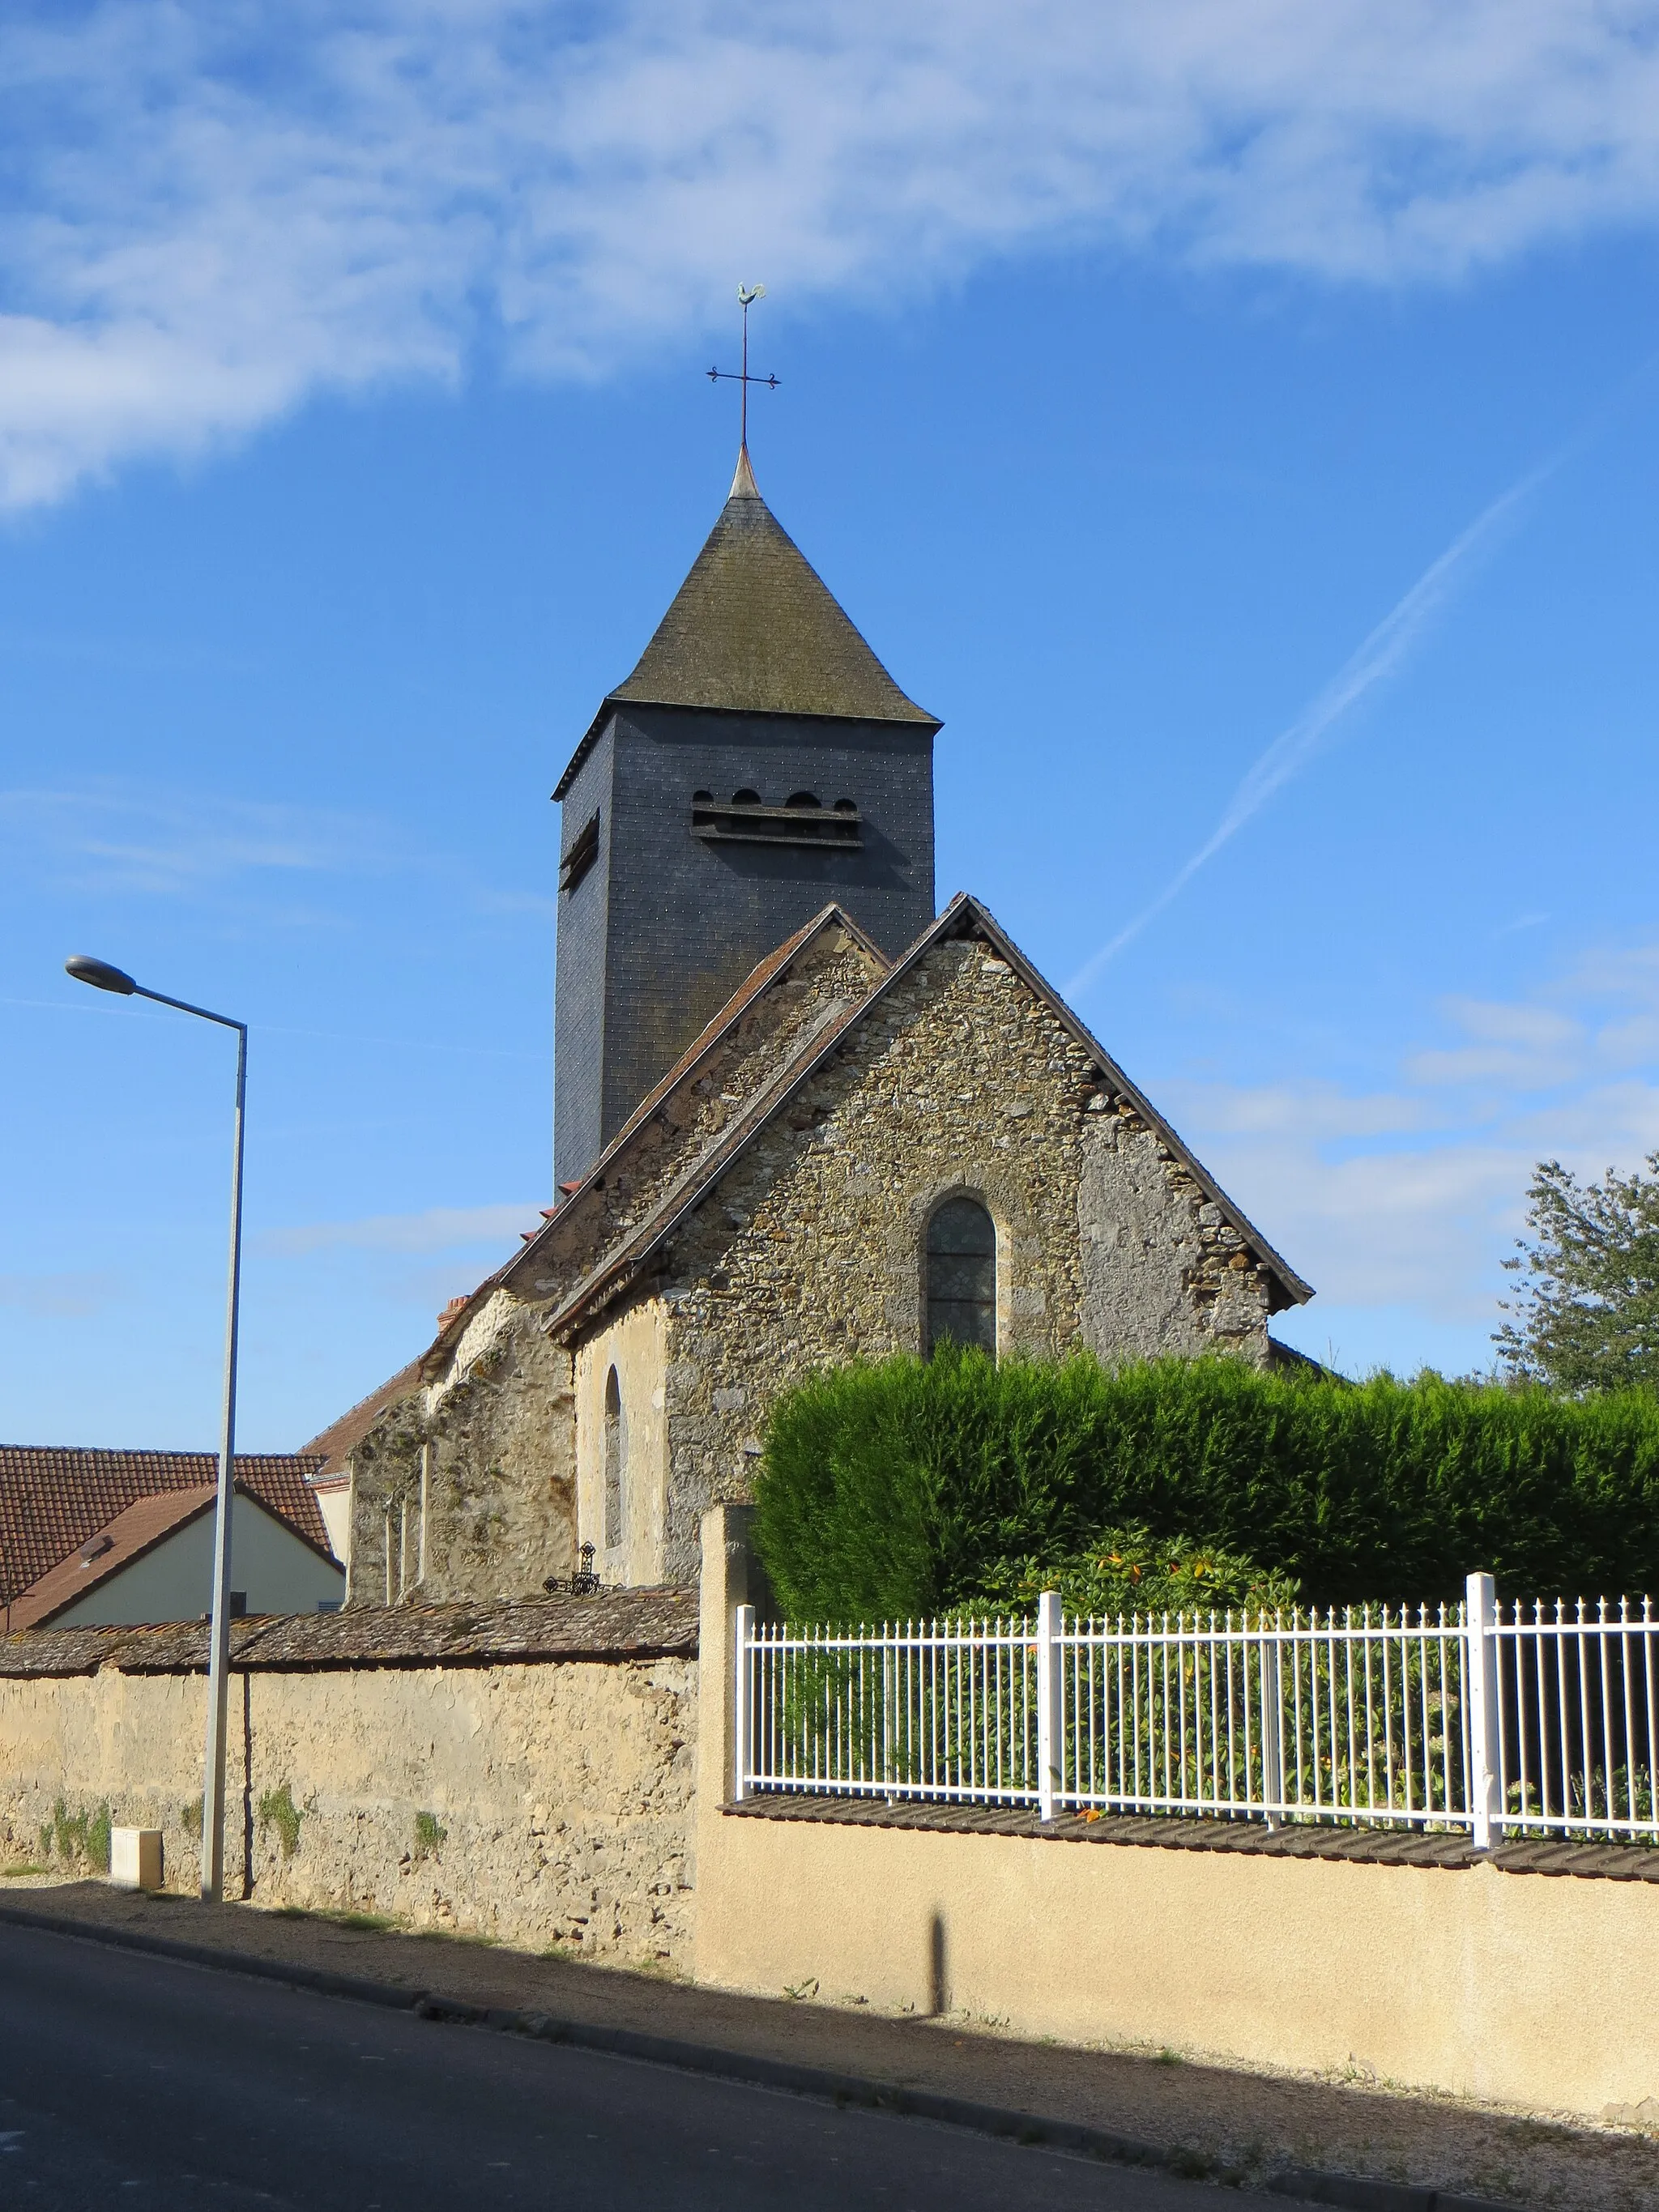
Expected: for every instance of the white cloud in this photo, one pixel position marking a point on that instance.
(1526, 1047)
(58, 1296)
(113, 839)
(439, 1228)
(1410, 1197)
(214, 211)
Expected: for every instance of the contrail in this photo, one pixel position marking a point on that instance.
(1377, 657)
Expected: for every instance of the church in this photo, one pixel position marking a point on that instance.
(799, 1117)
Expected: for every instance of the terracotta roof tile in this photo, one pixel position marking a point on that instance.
(129, 1533)
(54, 1497)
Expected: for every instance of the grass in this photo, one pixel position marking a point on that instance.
(19, 1869)
(364, 1924)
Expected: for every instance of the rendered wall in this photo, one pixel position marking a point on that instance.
(564, 1789)
(1506, 1986)
(635, 1345)
(1526, 1988)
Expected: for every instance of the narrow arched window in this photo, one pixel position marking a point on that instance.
(962, 1275)
(616, 1450)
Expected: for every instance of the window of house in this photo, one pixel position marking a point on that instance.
(962, 1275)
(615, 1452)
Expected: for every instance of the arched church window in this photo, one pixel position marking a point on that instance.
(847, 806)
(616, 1451)
(801, 799)
(702, 799)
(745, 797)
(962, 1275)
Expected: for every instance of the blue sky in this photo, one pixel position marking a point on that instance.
(1139, 369)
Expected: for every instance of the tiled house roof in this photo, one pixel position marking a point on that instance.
(144, 1524)
(55, 1497)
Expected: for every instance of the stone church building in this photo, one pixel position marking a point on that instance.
(799, 1116)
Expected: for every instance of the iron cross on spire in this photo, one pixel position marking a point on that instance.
(747, 295)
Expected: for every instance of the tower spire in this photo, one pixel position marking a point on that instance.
(747, 295)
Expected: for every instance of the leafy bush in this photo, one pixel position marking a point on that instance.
(1130, 1570)
(903, 1489)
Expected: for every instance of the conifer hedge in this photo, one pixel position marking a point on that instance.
(901, 1489)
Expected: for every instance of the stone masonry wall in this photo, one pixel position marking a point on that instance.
(810, 1251)
(500, 1472)
(542, 1804)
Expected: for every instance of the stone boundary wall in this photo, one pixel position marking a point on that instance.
(523, 1773)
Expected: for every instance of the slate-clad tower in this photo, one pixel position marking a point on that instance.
(757, 764)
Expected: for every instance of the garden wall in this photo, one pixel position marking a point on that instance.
(1527, 1978)
(522, 1772)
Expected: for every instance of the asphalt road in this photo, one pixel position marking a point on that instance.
(128, 2081)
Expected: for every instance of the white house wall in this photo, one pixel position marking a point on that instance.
(174, 1580)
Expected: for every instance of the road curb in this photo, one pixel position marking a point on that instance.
(1309, 2184)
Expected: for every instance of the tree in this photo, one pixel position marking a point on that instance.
(1587, 1317)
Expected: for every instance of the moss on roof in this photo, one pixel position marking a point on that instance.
(754, 630)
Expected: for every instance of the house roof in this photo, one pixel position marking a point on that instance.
(144, 1524)
(334, 1445)
(54, 1497)
(965, 916)
(754, 630)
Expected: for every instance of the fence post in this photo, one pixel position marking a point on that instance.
(1480, 1688)
(1272, 1728)
(742, 1732)
(1049, 1747)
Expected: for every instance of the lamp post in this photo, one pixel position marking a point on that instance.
(103, 977)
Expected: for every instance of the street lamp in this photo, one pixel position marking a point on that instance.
(103, 977)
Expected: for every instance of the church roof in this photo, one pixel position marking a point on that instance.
(754, 630)
(965, 916)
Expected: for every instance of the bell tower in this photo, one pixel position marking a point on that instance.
(757, 764)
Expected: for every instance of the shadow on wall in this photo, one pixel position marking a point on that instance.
(938, 1984)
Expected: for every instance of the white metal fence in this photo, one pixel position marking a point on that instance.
(1523, 1720)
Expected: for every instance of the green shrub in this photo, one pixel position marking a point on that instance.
(901, 1489)
(1130, 1570)
(430, 1834)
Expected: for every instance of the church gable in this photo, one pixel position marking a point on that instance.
(813, 1233)
(808, 985)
